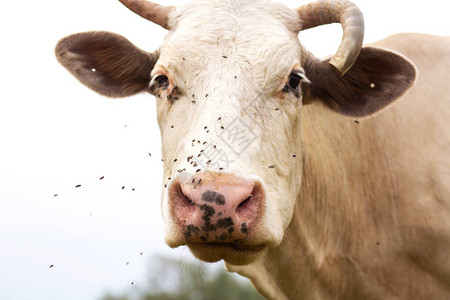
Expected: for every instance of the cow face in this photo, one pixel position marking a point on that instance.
(228, 109)
(230, 81)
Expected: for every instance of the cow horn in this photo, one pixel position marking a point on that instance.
(339, 11)
(151, 11)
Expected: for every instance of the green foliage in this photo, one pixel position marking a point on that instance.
(183, 280)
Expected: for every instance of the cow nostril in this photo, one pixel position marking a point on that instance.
(251, 205)
(184, 199)
(245, 202)
(183, 204)
(188, 201)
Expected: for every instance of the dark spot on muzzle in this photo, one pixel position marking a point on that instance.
(211, 196)
(191, 229)
(244, 228)
(225, 222)
(209, 227)
(208, 212)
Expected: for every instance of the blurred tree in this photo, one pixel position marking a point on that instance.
(185, 280)
(111, 297)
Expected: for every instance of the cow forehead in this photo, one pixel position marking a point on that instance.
(218, 13)
(257, 37)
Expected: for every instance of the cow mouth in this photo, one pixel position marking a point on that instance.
(233, 253)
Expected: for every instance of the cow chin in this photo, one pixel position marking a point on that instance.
(233, 254)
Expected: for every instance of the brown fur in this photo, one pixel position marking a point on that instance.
(352, 94)
(121, 69)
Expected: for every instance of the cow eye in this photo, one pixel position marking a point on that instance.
(294, 81)
(162, 81)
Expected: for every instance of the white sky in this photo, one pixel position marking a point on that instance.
(55, 134)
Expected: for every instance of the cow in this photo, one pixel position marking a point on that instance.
(315, 178)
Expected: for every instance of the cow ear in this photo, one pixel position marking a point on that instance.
(106, 62)
(377, 78)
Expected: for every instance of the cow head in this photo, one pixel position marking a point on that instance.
(230, 80)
